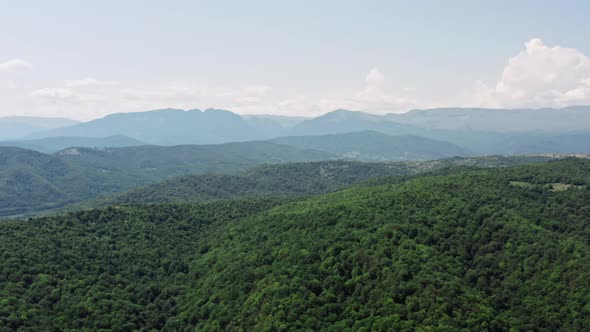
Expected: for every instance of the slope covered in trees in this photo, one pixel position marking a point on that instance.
(54, 144)
(289, 180)
(376, 146)
(32, 182)
(117, 269)
(467, 251)
(489, 249)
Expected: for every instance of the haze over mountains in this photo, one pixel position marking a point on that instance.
(119, 152)
(54, 144)
(17, 127)
(477, 131)
(179, 220)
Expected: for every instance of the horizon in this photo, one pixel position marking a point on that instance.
(294, 116)
(85, 61)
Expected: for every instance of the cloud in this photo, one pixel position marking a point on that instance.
(58, 93)
(15, 65)
(539, 76)
(90, 98)
(374, 97)
(89, 81)
(375, 77)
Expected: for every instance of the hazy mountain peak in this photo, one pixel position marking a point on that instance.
(163, 111)
(16, 127)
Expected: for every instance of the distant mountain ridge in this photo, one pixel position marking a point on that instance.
(376, 146)
(573, 118)
(166, 127)
(54, 144)
(481, 131)
(18, 127)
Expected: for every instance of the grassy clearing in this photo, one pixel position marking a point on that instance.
(564, 186)
(522, 184)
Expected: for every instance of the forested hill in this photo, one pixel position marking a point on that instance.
(55, 144)
(494, 249)
(290, 180)
(376, 146)
(31, 182)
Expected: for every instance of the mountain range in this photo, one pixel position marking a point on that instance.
(479, 131)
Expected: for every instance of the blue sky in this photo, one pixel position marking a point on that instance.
(85, 59)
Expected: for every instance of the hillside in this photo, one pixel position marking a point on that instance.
(465, 251)
(494, 249)
(376, 146)
(54, 144)
(291, 180)
(32, 182)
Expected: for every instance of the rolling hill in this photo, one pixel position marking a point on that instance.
(291, 180)
(493, 249)
(375, 146)
(32, 182)
(54, 144)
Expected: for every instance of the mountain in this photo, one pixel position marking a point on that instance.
(17, 127)
(343, 121)
(167, 127)
(291, 180)
(31, 182)
(480, 131)
(493, 249)
(570, 142)
(272, 125)
(54, 144)
(375, 146)
(283, 121)
(575, 118)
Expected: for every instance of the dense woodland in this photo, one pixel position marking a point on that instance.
(493, 249)
(33, 182)
(36, 183)
(291, 180)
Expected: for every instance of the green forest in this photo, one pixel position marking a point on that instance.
(461, 249)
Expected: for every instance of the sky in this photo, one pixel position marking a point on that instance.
(86, 59)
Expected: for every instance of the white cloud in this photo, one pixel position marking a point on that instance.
(539, 76)
(90, 98)
(59, 93)
(257, 90)
(374, 97)
(375, 77)
(15, 65)
(89, 81)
